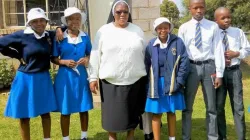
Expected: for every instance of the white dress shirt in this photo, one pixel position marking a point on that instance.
(237, 42)
(210, 49)
(118, 55)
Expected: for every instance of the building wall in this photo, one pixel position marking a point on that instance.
(1, 22)
(1, 15)
(144, 12)
(98, 14)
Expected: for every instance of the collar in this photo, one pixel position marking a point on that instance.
(73, 41)
(29, 30)
(227, 30)
(162, 45)
(194, 21)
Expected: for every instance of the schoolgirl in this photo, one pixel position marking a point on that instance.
(167, 65)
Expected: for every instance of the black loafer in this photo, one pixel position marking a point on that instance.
(149, 136)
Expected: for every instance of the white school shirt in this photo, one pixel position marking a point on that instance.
(162, 45)
(210, 49)
(74, 40)
(29, 30)
(237, 42)
(121, 52)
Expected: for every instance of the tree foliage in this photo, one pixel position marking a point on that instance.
(170, 10)
(240, 10)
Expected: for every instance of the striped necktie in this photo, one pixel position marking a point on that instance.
(225, 40)
(198, 39)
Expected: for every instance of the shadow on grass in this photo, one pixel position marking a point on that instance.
(104, 135)
(199, 130)
(98, 136)
(4, 90)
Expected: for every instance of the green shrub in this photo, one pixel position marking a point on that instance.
(53, 71)
(7, 73)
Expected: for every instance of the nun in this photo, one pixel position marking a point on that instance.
(117, 62)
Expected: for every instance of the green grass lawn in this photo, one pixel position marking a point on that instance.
(9, 128)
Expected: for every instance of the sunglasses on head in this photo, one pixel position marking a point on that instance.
(120, 12)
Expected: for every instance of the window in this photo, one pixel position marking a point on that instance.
(56, 8)
(15, 11)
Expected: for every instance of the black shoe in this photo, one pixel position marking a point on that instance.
(149, 136)
(84, 139)
(140, 123)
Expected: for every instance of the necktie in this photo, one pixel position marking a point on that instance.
(225, 40)
(226, 45)
(198, 40)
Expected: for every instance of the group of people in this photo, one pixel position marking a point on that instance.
(32, 91)
(134, 78)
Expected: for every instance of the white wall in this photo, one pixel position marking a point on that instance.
(98, 14)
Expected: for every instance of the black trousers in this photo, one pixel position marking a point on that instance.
(232, 84)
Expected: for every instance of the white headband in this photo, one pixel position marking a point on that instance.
(119, 1)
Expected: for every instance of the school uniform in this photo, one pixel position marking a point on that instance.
(160, 60)
(232, 83)
(205, 54)
(31, 91)
(71, 85)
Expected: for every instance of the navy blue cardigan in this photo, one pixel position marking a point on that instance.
(35, 52)
(175, 48)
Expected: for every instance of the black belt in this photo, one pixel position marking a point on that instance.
(201, 62)
(234, 67)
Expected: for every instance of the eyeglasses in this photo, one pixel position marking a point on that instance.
(120, 12)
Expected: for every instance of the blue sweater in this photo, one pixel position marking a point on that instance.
(35, 52)
(175, 48)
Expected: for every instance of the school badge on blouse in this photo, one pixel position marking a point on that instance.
(173, 51)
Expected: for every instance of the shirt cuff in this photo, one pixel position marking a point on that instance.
(241, 55)
(219, 74)
(92, 79)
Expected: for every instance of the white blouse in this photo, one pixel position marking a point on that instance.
(118, 55)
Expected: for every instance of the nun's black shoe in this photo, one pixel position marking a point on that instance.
(149, 136)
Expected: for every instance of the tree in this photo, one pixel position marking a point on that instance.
(170, 11)
(240, 13)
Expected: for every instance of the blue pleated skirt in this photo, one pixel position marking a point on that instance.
(31, 95)
(72, 91)
(165, 103)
